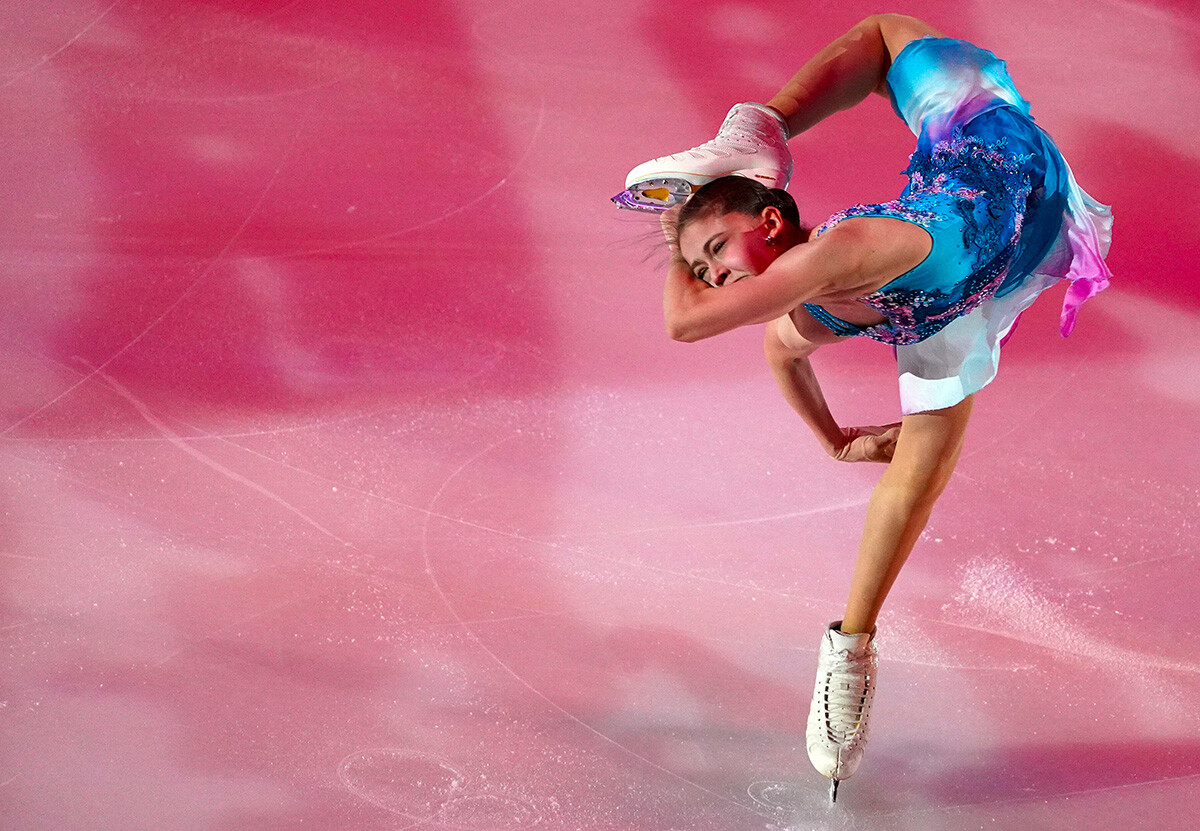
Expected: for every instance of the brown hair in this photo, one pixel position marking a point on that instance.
(736, 194)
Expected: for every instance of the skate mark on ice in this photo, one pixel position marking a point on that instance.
(961, 667)
(11, 556)
(228, 32)
(207, 270)
(812, 602)
(512, 535)
(470, 203)
(52, 55)
(488, 812)
(401, 782)
(241, 99)
(790, 798)
(909, 644)
(997, 598)
(430, 790)
(1128, 565)
(846, 505)
(1102, 654)
(487, 365)
(178, 441)
(1039, 797)
(425, 512)
(999, 439)
(431, 572)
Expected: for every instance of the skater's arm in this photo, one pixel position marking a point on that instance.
(847, 70)
(926, 454)
(787, 350)
(787, 356)
(852, 259)
(694, 310)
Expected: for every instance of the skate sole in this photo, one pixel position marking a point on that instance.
(667, 190)
(658, 194)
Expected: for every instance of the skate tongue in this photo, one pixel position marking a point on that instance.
(848, 643)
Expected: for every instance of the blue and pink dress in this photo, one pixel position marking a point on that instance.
(1005, 215)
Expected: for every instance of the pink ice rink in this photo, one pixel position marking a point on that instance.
(351, 483)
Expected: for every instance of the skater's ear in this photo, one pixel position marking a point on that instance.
(773, 219)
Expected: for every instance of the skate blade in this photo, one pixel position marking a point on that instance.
(654, 195)
(833, 786)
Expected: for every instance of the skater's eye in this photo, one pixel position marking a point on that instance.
(712, 246)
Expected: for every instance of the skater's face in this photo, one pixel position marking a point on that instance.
(724, 248)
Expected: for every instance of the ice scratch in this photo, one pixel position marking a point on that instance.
(178, 441)
(47, 58)
(453, 610)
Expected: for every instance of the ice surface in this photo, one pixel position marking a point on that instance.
(351, 482)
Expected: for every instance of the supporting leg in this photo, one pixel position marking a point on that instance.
(926, 453)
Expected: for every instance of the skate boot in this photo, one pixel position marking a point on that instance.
(841, 704)
(752, 142)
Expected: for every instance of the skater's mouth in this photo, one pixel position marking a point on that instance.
(727, 279)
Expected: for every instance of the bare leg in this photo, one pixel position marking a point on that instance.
(847, 70)
(926, 453)
(753, 142)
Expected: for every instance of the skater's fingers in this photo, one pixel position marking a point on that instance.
(854, 446)
(880, 430)
(861, 444)
(887, 438)
(885, 446)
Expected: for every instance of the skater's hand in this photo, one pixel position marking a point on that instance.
(867, 444)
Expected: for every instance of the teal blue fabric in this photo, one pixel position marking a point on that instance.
(986, 183)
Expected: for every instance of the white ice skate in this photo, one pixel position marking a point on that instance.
(752, 142)
(841, 704)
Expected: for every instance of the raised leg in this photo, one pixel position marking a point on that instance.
(753, 139)
(847, 70)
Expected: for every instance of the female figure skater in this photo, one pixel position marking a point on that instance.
(991, 216)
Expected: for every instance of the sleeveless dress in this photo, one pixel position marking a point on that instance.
(1005, 215)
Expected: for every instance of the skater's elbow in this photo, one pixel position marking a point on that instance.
(683, 318)
(682, 331)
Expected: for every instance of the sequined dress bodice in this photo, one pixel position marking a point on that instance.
(978, 182)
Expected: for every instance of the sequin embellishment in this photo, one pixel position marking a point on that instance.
(988, 192)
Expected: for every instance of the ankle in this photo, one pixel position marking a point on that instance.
(855, 625)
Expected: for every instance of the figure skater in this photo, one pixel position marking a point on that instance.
(990, 218)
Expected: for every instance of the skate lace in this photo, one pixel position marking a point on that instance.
(741, 131)
(746, 129)
(845, 693)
